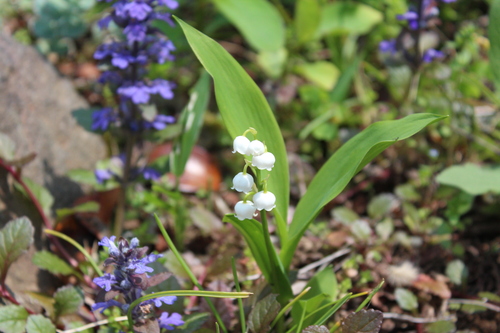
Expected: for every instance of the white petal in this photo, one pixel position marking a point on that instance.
(240, 144)
(256, 148)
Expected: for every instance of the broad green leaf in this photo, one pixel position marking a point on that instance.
(43, 196)
(381, 205)
(307, 18)
(406, 299)
(443, 326)
(268, 263)
(84, 118)
(68, 300)
(39, 324)
(242, 105)
(343, 165)
(344, 17)
(471, 178)
(86, 207)
(363, 321)
(322, 73)
(15, 239)
(191, 119)
(12, 318)
(263, 314)
(324, 290)
(52, 263)
(494, 36)
(258, 21)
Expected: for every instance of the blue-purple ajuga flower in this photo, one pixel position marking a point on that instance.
(125, 62)
(420, 20)
(101, 175)
(432, 54)
(130, 279)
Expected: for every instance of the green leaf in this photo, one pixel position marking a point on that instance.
(382, 205)
(43, 196)
(15, 239)
(258, 21)
(52, 263)
(472, 178)
(444, 326)
(68, 300)
(333, 177)
(324, 290)
(242, 105)
(39, 324)
(363, 321)
(86, 207)
(307, 18)
(191, 119)
(494, 36)
(268, 263)
(82, 176)
(192, 323)
(322, 73)
(273, 62)
(406, 299)
(46, 302)
(348, 18)
(263, 314)
(456, 271)
(84, 118)
(12, 318)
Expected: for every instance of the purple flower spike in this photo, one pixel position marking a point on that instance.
(387, 46)
(101, 119)
(172, 4)
(105, 305)
(139, 93)
(168, 322)
(105, 281)
(110, 244)
(135, 32)
(138, 10)
(163, 87)
(432, 54)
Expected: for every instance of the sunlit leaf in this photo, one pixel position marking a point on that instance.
(52, 263)
(456, 271)
(68, 300)
(258, 21)
(343, 165)
(39, 324)
(406, 299)
(494, 36)
(242, 105)
(307, 18)
(472, 178)
(322, 73)
(363, 321)
(12, 318)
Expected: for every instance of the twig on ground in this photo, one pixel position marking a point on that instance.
(398, 316)
(97, 323)
(475, 302)
(323, 261)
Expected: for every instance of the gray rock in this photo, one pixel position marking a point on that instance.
(35, 112)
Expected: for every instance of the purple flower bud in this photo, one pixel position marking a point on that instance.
(172, 4)
(432, 54)
(138, 10)
(388, 46)
(135, 32)
(105, 281)
(168, 322)
(102, 175)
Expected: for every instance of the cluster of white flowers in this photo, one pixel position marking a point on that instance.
(244, 182)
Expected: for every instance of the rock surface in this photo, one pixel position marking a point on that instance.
(35, 112)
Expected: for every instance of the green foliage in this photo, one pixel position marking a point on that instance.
(51, 262)
(243, 105)
(406, 299)
(86, 207)
(42, 195)
(263, 314)
(15, 239)
(307, 19)
(39, 324)
(471, 178)
(68, 299)
(363, 321)
(343, 165)
(456, 271)
(192, 120)
(494, 36)
(13, 318)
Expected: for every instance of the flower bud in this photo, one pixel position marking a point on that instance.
(244, 210)
(256, 148)
(264, 200)
(264, 161)
(242, 182)
(240, 144)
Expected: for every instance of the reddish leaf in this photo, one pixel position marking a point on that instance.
(364, 321)
(434, 286)
(263, 314)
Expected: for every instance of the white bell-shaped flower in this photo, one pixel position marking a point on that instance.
(264, 200)
(244, 210)
(256, 148)
(240, 144)
(264, 162)
(242, 182)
